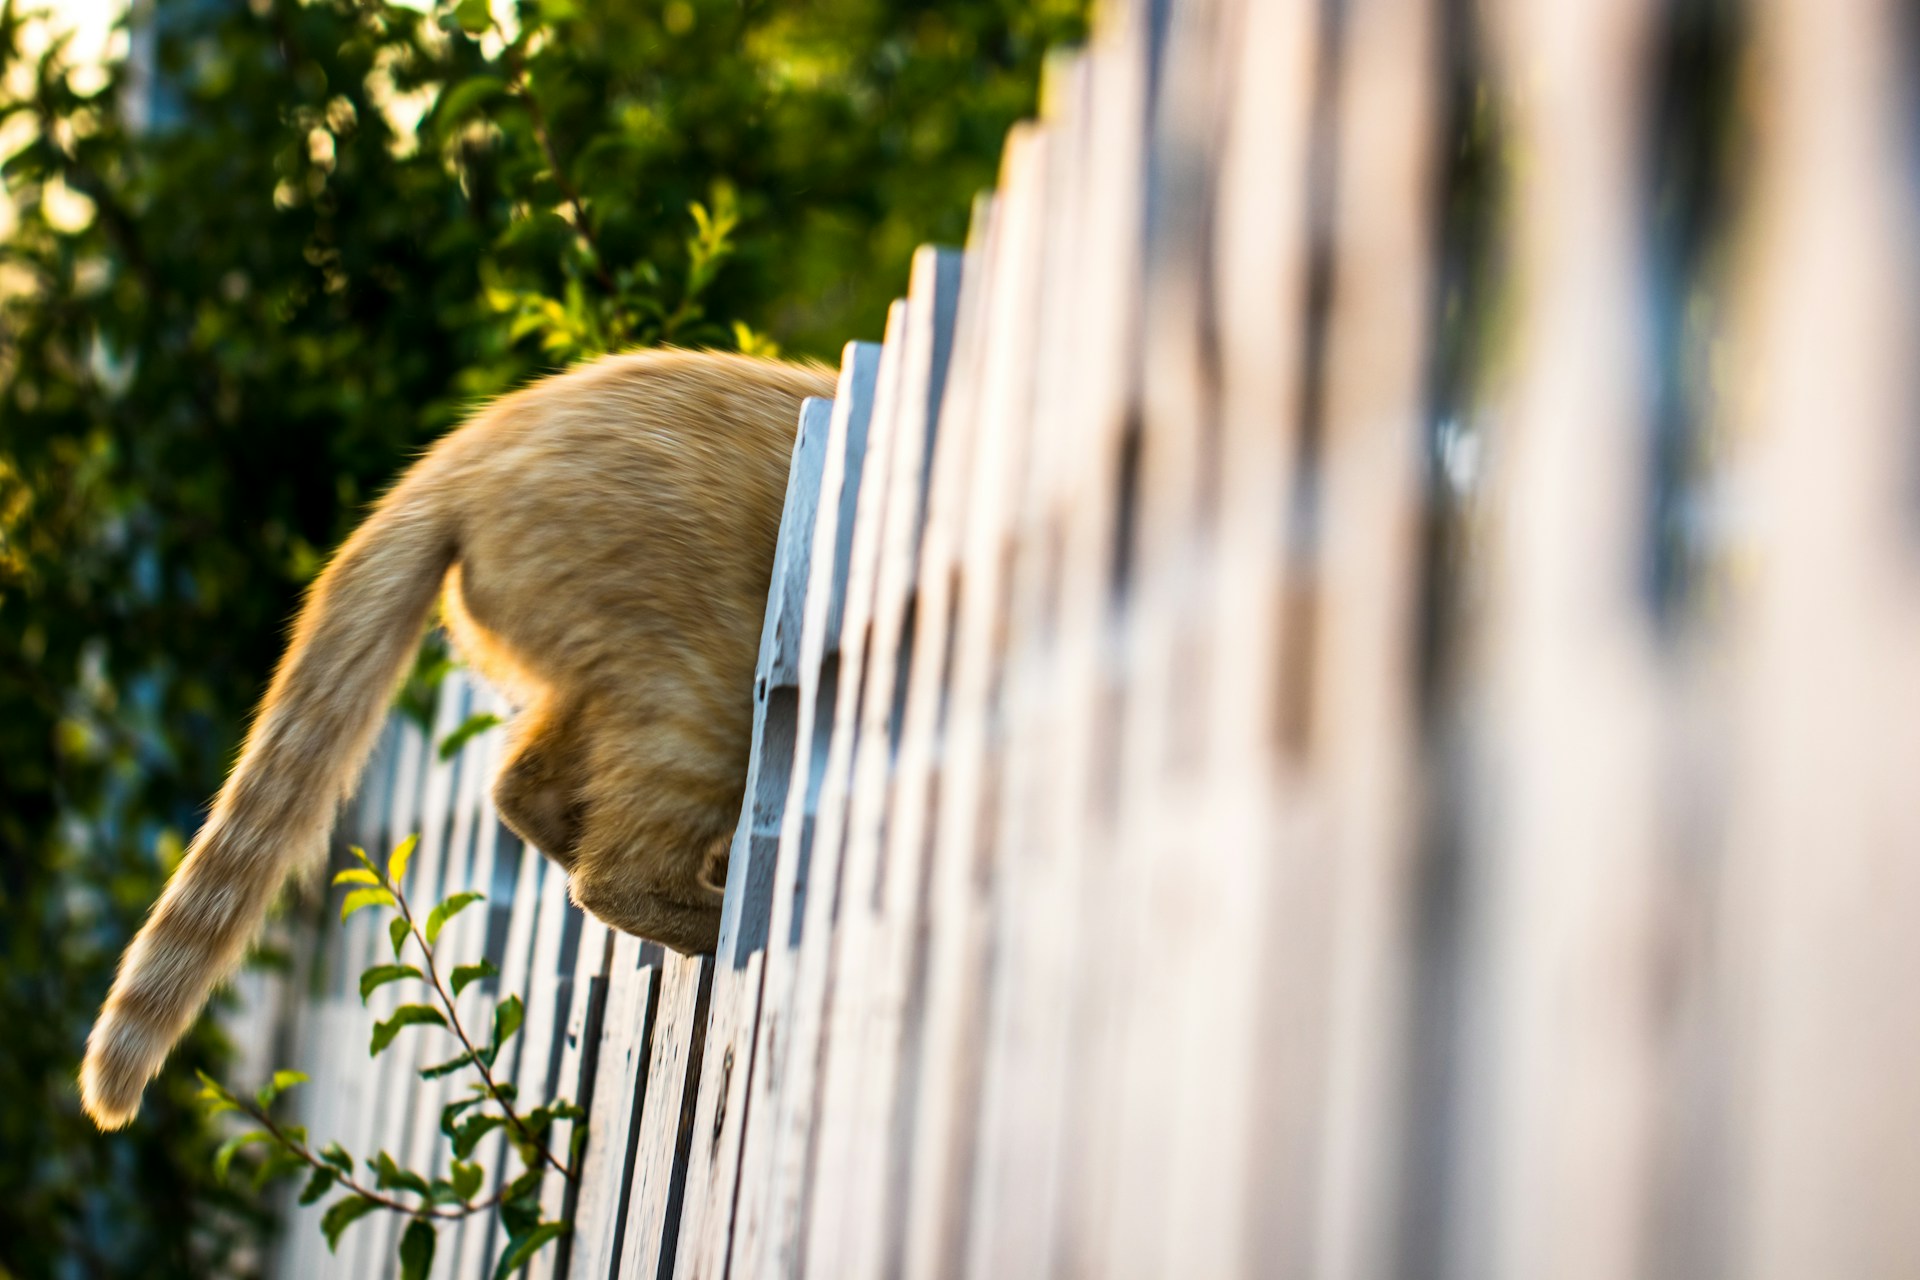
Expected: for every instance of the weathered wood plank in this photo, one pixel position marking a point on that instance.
(1821, 877)
(817, 676)
(1365, 664)
(666, 1119)
(1091, 510)
(862, 1045)
(574, 1081)
(780, 1232)
(1563, 839)
(740, 958)
(625, 1050)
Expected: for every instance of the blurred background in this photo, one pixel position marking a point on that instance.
(1538, 389)
(254, 255)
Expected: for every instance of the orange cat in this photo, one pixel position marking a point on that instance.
(605, 539)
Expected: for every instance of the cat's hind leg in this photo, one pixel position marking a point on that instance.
(540, 790)
(651, 858)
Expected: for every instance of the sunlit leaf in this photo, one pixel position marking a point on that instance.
(474, 16)
(281, 1082)
(507, 1018)
(402, 854)
(448, 910)
(364, 898)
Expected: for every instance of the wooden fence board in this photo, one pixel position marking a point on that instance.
(862, 1045)
(830, 557)
(740, 957)
(620, 1080)
(1562, 841)
(1096, 515)
(781, 1246)
(1821, 873)
(666, 1119)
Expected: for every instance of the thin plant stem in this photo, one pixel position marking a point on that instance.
(453, 1022)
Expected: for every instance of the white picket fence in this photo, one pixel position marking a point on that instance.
(1116, 893)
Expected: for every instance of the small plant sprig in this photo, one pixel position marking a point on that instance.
(426, 1201)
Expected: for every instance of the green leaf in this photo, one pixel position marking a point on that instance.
(365, 861)
(469, 1132)
(281, 1082)
(473, 726)
(342, 1214)
(402, 854)
(365, 898)
(506, 1020)
(389, 1176)
(223, 1158)
(318, 1185)
(397, 931)
(381, 974)
(462, 98)
(451, 1112)
(416, 698)
(215, 1096)
(521, 1251)
(356, 875)
(407, 1015)
(446, 1068)
(467, 1179)
(278, 1164)
(416, 1250)
(336, 1155)
(520, 1202)
(474, 16)
(448, 910)
(467, 974)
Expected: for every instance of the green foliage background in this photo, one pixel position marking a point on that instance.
(222, 333)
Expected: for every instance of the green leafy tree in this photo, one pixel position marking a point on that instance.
(222, 334)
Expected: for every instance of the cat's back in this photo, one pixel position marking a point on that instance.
(643, 489)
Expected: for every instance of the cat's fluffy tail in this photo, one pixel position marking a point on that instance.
(351, 645)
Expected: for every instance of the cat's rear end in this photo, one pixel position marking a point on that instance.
(610, 532)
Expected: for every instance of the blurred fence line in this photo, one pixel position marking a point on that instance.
(1224, 802)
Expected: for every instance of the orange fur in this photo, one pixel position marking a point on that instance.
(605, 538)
